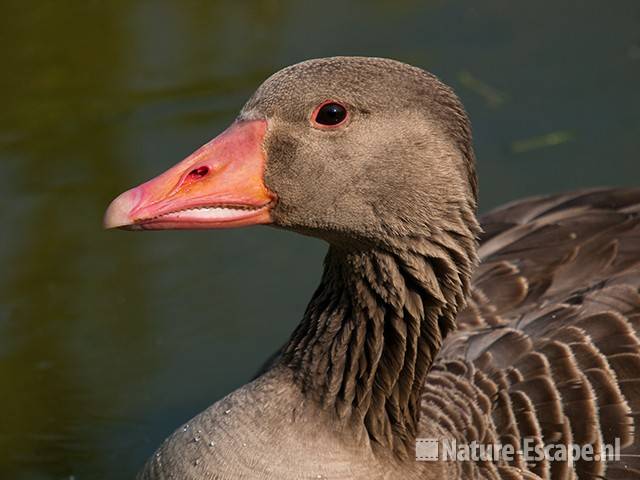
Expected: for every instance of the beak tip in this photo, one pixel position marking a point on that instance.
(119, 210)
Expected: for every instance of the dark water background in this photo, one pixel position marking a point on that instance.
(110, 340)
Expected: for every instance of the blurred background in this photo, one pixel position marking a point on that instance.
(110, 340)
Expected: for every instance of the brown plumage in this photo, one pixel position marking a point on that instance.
(417, 330)
(548, 343)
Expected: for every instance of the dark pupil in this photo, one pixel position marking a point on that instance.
(331, 114)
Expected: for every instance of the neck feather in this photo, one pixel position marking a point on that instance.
(374, 326)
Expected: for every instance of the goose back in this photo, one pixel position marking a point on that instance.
(548, 346)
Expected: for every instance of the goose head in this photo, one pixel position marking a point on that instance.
(348, 149)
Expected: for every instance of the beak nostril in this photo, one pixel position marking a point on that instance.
(198, 173)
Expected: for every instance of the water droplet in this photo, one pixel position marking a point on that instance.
(197, 462)
(227, 411)
(211, 444)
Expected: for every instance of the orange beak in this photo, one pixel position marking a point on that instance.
(221, 185)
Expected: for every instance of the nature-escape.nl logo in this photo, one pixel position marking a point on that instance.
(531, 450)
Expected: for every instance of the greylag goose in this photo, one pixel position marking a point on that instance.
(428, 325)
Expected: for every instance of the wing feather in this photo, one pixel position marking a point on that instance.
(548, 347)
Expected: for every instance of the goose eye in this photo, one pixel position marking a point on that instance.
(330, 114)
